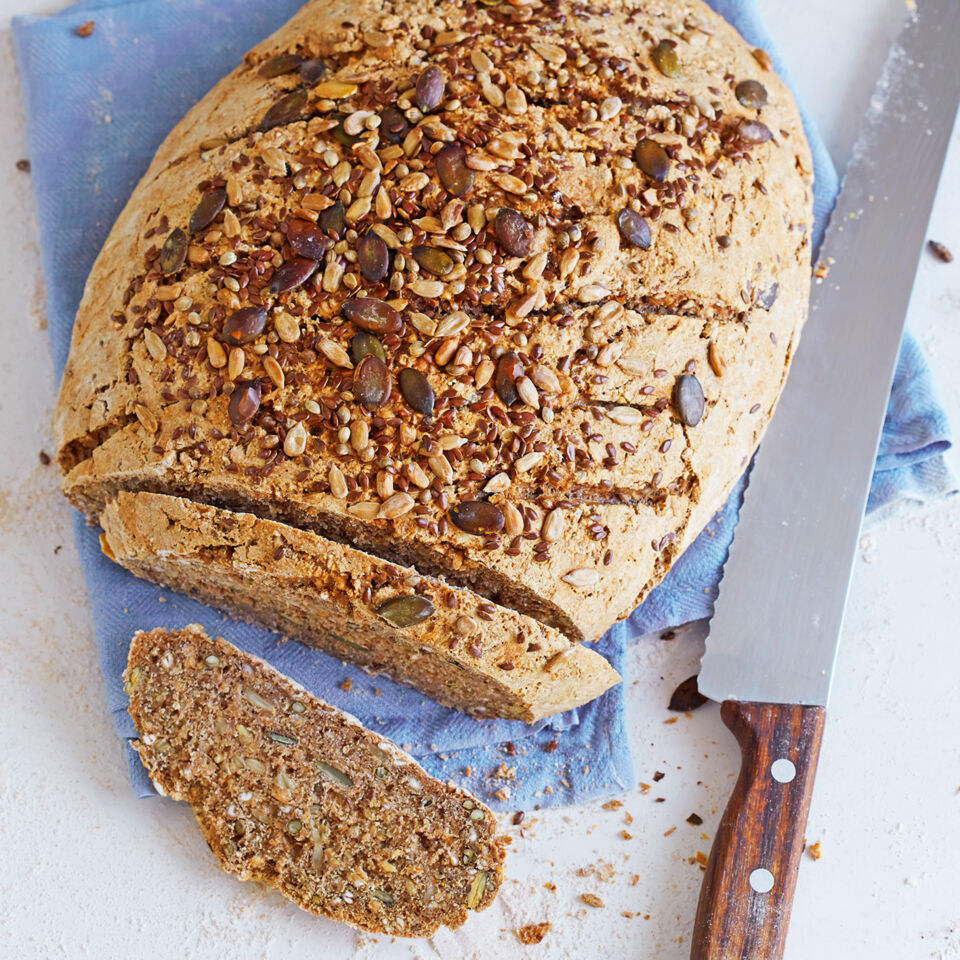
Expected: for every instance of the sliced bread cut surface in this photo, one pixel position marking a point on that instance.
(289, 791)
(447, 642)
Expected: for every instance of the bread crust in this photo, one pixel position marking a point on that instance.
(720, 294)
(467, 653)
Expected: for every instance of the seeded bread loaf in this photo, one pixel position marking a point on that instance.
(449, 643)
(289, 791)
(505, 293)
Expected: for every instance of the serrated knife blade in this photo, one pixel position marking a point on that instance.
(774, 633)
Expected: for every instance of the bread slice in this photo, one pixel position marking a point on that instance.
(447, 642)
(289, 791)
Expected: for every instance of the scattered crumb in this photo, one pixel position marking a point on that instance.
(613, 805)
(625, 835)
(503, 794)
(814, 851)
(591, 900)
(687, 696)
(695, 819)
(85, 29)
(45, 458)
(533, 932)
(668, 634)
(551, 746)
(668, 832)
(658, 776)
(940, 251)
(518, 818)
(552, 887)
(468, 771)
(346, 685)
(23, 166)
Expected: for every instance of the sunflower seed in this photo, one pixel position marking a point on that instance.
(625, 416)
(155, 346)
(553, 524)
(396, 506)
(581, 577)
(338, 483)
(335, 353)
(295, 441)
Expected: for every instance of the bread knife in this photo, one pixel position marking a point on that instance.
(773, 637)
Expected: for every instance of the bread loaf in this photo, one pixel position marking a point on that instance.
(449, 643)
(502, 293)
(293, 793)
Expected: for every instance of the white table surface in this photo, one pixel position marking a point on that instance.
(89, 871)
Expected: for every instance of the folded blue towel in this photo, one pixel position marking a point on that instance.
(97, 108)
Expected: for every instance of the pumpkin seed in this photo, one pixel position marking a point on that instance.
(337, 776)
(244, 401)
(333, 219)
(451, 162)
(393, 125)
(307, 239)
(372, 315)
(752, 94)
(634, 228)
(371, 382)
(652, 159)
(477, 516)
(373, 257)
(243, 326)
(688, 399)
(287, 109)
(509, 371)
(753, 131)
(312, 71)
(366, 344)
(206, 211)
(173, 253)
(405, 611)
(429, 91)
(433, 260)
(292, 274)
(417, 391)
(279, 65)
(665, 59)
(514, 232)
(282, 738)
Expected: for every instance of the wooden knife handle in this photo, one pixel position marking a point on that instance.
(739, 916)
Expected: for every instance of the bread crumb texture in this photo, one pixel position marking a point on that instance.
(289, 791)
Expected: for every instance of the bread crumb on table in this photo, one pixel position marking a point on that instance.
(85, 29)
(533, 932)
(591, 900)
(814, 851)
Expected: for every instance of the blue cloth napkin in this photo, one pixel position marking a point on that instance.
(97, 108)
